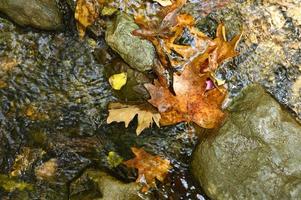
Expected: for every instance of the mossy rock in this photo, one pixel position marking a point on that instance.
(255, 155)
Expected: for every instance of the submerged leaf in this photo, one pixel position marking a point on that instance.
(114, 159)
(149, 168)
(108, 11)
(125, 113)
(11, 184)
(117, 81)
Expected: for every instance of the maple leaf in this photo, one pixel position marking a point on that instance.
(149, 168)
(125, 113)
(86, 12)
(224, 49)
(192, 102)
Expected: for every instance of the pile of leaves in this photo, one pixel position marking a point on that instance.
(190, 93)
(185, 89)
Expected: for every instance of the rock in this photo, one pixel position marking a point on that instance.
(255, 155)
(138, 53)
(95, 184)
(41, 14)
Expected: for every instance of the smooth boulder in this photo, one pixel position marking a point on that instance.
(256, 154)
(138, 53)
(41, 14)
(94, 184)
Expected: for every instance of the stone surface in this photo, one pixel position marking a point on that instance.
(138, 53)
(41, 14)
(256, 154)
(100, 185)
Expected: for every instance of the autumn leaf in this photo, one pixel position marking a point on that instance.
(125, 113)
(192, 102)
(86, 12)
(164, 2)
(117, 81)
(149, 168)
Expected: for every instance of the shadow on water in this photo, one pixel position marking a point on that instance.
(53, 98)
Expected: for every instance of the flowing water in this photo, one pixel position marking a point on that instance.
(53, 105)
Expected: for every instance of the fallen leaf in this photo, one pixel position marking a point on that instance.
(25, 159)
(11, 184)
(117, 81)
(224, 49)
(125, 113)
(86, 12)
(3, 84)
(191, 102)
(108, 11)
(47, 171)
(164, 2)
(149, 168)
(114, 159)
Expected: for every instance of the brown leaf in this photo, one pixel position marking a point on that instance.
(149, 168)
(86, 12)
(191, 102)
(125, 113)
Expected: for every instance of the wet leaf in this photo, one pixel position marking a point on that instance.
(10, 184)
(47, 171)
(125, 113)
(86, 12)
(164, 2)
(191, 102)
(108, 11)
(114, 159)
(117, 81)
(3, 84)
(25, 160)
(149, 168)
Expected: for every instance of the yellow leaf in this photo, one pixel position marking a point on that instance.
(125, 113)
(164, 2)
(114, 159)
(108, 11)
(86, 12)
(117, 81)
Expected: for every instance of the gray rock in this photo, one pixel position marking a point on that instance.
(256, 154)
(95, 184)
(138, 53)
(41, 14)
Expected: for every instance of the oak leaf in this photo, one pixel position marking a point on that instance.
(125, 113)
(192, 102)
(149, 168)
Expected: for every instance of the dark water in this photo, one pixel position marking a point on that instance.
(54, 99)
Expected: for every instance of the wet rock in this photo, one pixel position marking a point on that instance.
(255, 154)
(41, 14)
(95, 184)
(269, 49)
(133, 89)
(138, 53)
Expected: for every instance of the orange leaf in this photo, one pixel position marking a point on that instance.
(149, 168)
(191, 102)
